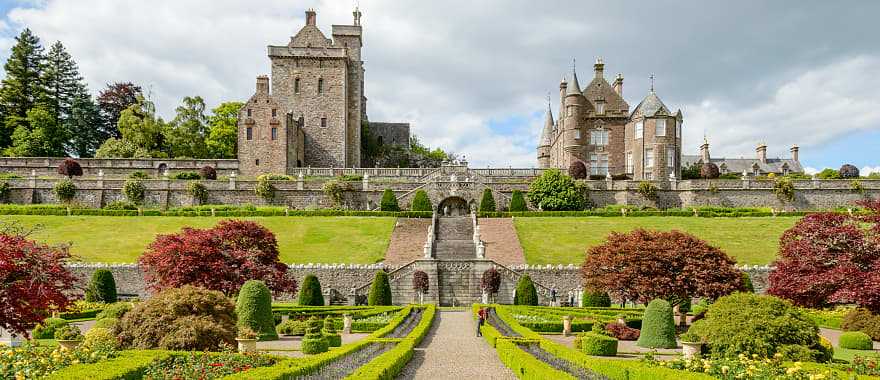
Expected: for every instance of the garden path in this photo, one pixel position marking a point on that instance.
(451, 350)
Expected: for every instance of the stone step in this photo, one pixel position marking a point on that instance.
(455, 228)
(454, 249)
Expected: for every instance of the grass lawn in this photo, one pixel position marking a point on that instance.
(563, 240)
(848, 354)
(357, 240)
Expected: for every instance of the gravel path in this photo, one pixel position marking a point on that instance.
(451, 350)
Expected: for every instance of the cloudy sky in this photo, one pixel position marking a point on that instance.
(472, 76)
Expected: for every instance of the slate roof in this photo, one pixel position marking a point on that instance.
(738, 165)
(573, 88)
(650, 106)
(548, 128)
(600, 89)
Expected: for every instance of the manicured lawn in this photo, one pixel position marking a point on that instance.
(357, 240)
(848, 354)
(564, 240)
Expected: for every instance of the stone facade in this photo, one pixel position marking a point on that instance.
(391, 133)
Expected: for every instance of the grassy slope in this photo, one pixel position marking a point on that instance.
(565, 240)
(359, 240)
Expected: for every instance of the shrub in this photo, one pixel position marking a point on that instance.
(70, 168)
(186, 318)
(198, 192)
(46, 329)
(647, 190)
(120, 205)
(490, 282)
(744, 323)
(135, 191)
(848, 171)
(314, 342)
(220, 258)
(380, 291)
(748, 287)
(828, 173)
(99, 338)
(64, 190)
(577, 170)
(709, 171)
(526, 294)
(421, 202)
(102, 287)
(138, 175)
(254, 309)
(335, 191)
(487, 203)
(420, 282)
(310, 293)
(622, 331)
(643, 265)
(597, 344)
(5, 189)
(856, 340)
(292, 327)
(329, 331)
(554, 191)
(658, 326)
(389, 201)
(862, 320)
(784, 189)
(208, 172)
(116, 310)
(596, 298)
(517, 202)
(186, 175)
(68, 332)
(106, 323)
(264, 188)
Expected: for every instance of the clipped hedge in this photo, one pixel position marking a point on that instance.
(380, 291)
(421, 202)
(389, 201)
(128, 365)
(314, 342)
(524, 365)
(310, 293)
(102, 287)
(254, 309)
(597, 344)
(658, 326)
(526, 294)
(388, 365)
(596, 298)
(329, 332)
(856, 340)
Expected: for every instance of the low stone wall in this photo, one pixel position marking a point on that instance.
(112, 167)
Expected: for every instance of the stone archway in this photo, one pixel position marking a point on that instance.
(453, 206)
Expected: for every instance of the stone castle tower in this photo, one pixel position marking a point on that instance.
(596, 128)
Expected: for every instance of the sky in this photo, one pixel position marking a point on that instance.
(472, 77)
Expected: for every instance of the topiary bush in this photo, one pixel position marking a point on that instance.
(709, 171)
(517, 202)
(68, 332)
(526, 294)
(254, 309)
(314, 342)
(487, 203)
(186, 318)
(116, 310)
(64, 190)
(99, 338)
(380, 291)
(134, 191)
(102, 287)
(208, 172)
(198, 192)
(329, 331)
(862, 320)
(264, 188)
(856, 340)
(744, 323)
(310, 293)
(598, 344)
(70, 168)
(292, 327)
(596, 298)
(658, 326)
(577, 170)
(848, 171)
(46, 329)
(389, 201)
(421, 202)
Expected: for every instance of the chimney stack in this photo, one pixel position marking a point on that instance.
(311, 17)
(704, 151)
(762, 153)
(262, 84)
(794, 152)
(618, 84)
(599, 67)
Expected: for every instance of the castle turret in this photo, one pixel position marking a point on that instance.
(545, 141)
(571, 126)
(704, 151)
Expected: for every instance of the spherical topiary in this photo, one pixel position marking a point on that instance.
(598, 344)
(526, 294)
(64, 190)
(389, 201)
(848, 171)
(102, 287)
(135, 191)
(421, 202)
(577, 170)
(709, 171)
(596, 298)
(46, 329)
(254, 309)
(310, 293)
(329, 331)
(313, 342)
(208, 172)
(658, 326)
(70, 168)
(487, 203)
(856, 340)
(380, 291)
(517, 202)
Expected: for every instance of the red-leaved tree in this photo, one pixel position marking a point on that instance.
(33, 280)
(642, 265)
(830, 258)
(220, 258)
(70, 168)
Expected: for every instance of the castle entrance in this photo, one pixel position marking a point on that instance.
(453, 206)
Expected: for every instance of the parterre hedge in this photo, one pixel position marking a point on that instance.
(597, 344)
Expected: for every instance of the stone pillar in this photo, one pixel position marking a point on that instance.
(300, 180)
(366, 182)
(32, 184)
(481, 251)
(580, 296)
(231, 181)
(346, 324)
(100, 199)
(566, 325)
(164, 194)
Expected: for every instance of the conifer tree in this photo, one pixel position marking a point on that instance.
(21, 88)
(66, 96)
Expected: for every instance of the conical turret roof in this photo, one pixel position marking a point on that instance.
(548, 128)
(573, 88)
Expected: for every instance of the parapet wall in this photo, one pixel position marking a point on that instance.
(112, 167)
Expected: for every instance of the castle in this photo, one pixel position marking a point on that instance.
(312, 110)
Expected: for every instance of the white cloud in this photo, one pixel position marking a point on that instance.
(867, 170)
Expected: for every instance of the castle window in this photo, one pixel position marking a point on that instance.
(296, 86)
(570, 110)
(323, 122)
(670, 157)
(321, 86)
(649, 158)
(640, 128)
(257, 162)
(577, 134)
(629, 162)
(599, 137)
(379, 141)
(274, 133)
(660, 127)
(249, 132)
(598, 164)
(600, 108)
(249, 112)
(274, 112)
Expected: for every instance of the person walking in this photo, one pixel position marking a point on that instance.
(553, 297)
(481, 318)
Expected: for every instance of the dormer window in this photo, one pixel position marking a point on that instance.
(600, 107)
(660, 127)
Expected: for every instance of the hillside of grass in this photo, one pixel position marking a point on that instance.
(357, 240)
(749, 240)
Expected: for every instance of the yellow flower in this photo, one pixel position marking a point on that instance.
(724, 369)
(777, 355)
(791, 370)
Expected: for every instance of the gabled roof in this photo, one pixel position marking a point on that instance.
(599, 88)
(739, 165)
(309, 36)
(547, 131)
(650, 106)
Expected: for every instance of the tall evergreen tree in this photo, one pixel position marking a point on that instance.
(84, 128)
(114, 99)
(185, 135)
(21, 89)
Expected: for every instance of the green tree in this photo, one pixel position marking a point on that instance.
(102, 287)
(83, 127)
(421, 202)
(828, 173)
(223, 130)
(310, 293)
(380, 291)
(185, 135)
(658, 326)
(21, 88)
(555, 191)
(141, 133)
(389, 201)
(517, 202)
(254, 309)
(526, 294)
(487, 203)
(40, 136)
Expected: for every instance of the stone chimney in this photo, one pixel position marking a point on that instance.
(762, 153)
(311, 17)
(794, 152)
(262, 84)
(599, 67)
(704, 151)
(618, 85)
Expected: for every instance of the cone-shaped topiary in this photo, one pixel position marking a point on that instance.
(421, 202)
(517, 202)
(102, 287)
(526, 294)
(596, 298)
(310, 293)
(487, 203)
(658, 326)
(333, 339)
(380, 292)
(254, 309)
(748, 287)
(389, 201)
(314, 342)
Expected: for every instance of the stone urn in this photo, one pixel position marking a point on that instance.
(69, 345)
(690, 350)
(566, 325)
(346, 324)
(246, 345)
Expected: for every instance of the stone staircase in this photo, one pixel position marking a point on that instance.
(455, 238)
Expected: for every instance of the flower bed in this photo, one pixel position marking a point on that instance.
(204, 366)
(33, 361)
(749, 367)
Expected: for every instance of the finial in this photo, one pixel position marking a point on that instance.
(548, 98)
(599, 61)
(652, 82)
(574, 64)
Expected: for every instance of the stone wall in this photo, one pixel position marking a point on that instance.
(112, 167)
(391, 133)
